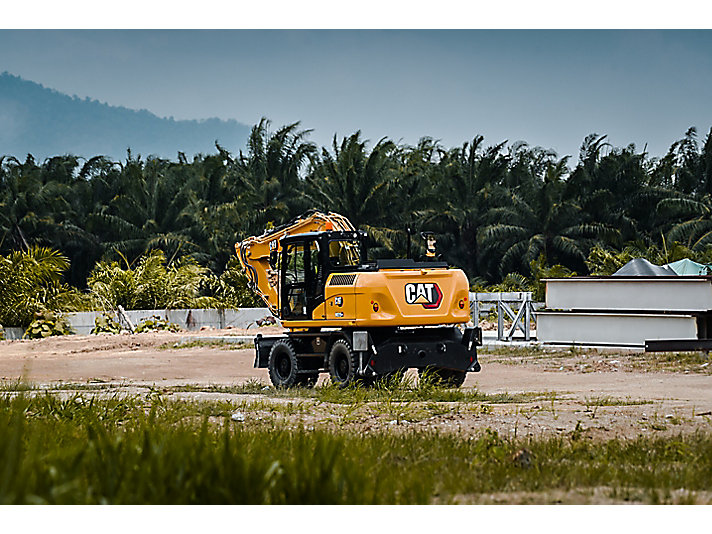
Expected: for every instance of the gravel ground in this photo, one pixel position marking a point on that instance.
(598, 394)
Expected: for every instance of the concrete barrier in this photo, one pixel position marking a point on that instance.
(12, 333)
(191, 319)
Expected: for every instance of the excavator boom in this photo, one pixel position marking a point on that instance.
(259, 255)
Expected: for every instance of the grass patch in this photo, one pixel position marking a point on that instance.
(538, 351)
(148, 449)
(518, 352)
(20, 384)
(210, 344)
(407, 391)
(615, 401)
(673, 361)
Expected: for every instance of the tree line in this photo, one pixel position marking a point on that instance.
(498, 210)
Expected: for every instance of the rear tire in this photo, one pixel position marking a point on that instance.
(343, 364)
(447, 378)
(282, 364)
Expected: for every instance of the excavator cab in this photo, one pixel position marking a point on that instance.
(306, 262)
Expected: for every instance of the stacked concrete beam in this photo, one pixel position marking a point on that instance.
(621, 310)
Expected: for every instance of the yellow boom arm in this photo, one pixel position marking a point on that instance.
(257, 254)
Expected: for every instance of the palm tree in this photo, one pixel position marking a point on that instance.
(695, 229)
(28, 201)
(79, 237)
(267, 180)
(541, 223)
(148, 212)
(214, 209)
(356, 183)
(466, 182)
(617, 189)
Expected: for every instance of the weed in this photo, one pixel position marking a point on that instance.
(156, 324)
(697, 362)
(406, 391)
(202, 343)
(16, 385)
(89, 386)
(46, 324)
(149, 449)
(105, 324)
(519, 352)
(614, 401)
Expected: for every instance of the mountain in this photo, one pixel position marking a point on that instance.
(44, 122)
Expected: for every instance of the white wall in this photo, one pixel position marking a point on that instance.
(83, 322)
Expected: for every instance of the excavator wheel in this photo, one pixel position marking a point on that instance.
(343, 364)
(282, 364)
(447, 378)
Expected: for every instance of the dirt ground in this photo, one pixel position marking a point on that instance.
(599, 394)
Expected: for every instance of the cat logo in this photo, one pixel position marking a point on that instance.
(429, 295)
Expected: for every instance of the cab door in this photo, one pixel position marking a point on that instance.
(293, 281)
(302, 279)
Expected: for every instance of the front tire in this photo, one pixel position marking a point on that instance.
(343, 364)
(282, 364)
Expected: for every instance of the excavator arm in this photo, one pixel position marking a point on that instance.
(259, 254)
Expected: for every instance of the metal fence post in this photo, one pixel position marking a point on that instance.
(500, 321)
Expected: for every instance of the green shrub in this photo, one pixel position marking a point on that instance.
(2, 333)
(514, 282)
(152, 284)
(511, 283)
(105, 324)
(155, 324)
(31, 282)
(48, 324)
(540, 271)
(231, 290)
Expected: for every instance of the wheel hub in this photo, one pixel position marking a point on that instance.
(343, 368)
(284, 367)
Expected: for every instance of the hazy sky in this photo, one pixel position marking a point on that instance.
(549, 88)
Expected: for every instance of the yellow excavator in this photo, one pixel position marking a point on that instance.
(361, 321)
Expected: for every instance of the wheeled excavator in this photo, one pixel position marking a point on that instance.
(361, 321)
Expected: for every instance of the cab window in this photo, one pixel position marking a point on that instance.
(344, 253)
(295, 264)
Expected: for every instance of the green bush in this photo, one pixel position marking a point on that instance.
(540, 271)
(2, 333)
(104, 324)
(153, 284)
(514, 282)
(231, 290)
(48, 324)
(31, 282)
(155, 324)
